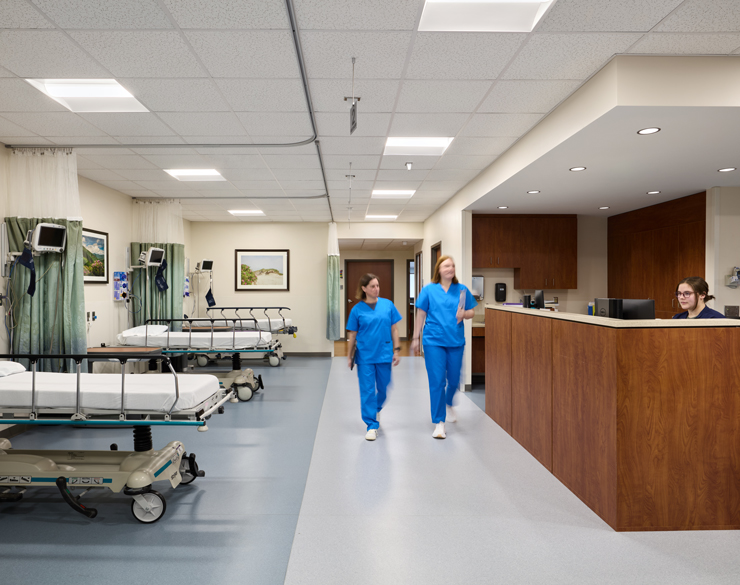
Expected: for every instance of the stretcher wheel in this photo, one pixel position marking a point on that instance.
(274, 361)
(157, 507)
(244, 393)
(189, 469)
(202, 361)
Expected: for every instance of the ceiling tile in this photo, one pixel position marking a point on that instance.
(398, 184)
(357, 186)
(123, 161)
(376, 95)
(297, 185)
(204, 124)
(467, 145)
(573, 56)
(98, 139)
(100, 175)
(368, 124)
(264, 95)
(276, 124)
(138, 124)
(96, 14)
(703, 16)
(417, 162)
(141, 53)
(8, 128)
(141, 193)
(167, 143)
(20, 50)
(443, 185)
(119, 185)
(176, 95)
(402, 175)
(359, 175)
(285, 161)
(349, 146)
(441, 55)
(231, 14)
(527, 96)
(141, 174)
(441, 96)
(164, 150)
(451, 161)
(176, 161)
(83, 163)
(18, 14)
(220, 140)
(334, 161)
(378, 55)
(623, 16)
(234, 161)
(257, 185)
(54, 124)
(365, 15)
(304, 149)
(261, 194)
(265, 54)
(687, 44)
(169, 185)
(427, 124)
(247, 174)
(500, 124)
(451, 175)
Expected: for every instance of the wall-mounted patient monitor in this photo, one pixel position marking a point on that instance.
(49, 237)
(154, 257)
(206, 265)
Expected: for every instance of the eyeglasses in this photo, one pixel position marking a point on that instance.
(683, 295)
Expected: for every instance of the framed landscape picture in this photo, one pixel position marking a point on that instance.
(262, 270)
(95, 256)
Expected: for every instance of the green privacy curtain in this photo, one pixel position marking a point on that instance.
(333, 325)
(53, 319)
(155, 303)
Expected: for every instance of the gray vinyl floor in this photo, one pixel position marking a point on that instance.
(294, 494)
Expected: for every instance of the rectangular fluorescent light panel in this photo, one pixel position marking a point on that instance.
(195, 174)
(243, 212)
(392, 194)
(417, 146)
(381, 216)
(89, 95)
(482, 15)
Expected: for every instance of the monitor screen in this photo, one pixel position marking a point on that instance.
(638, 309)
(155, 256)
(538, 302)
(206, 265)
(51, 236)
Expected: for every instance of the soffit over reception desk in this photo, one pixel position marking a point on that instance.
(639, 419)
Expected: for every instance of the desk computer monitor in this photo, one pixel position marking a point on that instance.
(538, 301)
(638, 309)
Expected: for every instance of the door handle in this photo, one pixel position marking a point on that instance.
(545, 282)
(349, 300)
(553, 283)
(490, 260)
(498, 260)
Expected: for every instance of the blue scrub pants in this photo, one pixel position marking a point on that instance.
(443, 369)
(374, 380)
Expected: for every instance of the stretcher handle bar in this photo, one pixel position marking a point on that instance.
(242, 308)
(213, 408)
(177, 387)
(78, 365)
(79, 357)
(107, 423)
(123, 390)
(33, 389)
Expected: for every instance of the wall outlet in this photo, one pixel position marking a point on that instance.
(732, 311)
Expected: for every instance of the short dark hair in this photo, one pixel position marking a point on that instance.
(364, 281)
(698, 285)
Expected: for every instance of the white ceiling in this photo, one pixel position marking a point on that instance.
(377, 244)
(226, 72)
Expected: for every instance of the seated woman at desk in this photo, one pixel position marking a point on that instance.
(692, 294)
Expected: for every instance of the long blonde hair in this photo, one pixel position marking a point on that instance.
(437, 278)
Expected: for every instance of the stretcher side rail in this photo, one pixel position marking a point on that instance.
(190, 321)
(284, 329)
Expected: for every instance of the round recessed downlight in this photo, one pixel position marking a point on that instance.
(653, 192)
(646, 131)
(532, 192)
(577, 169)
(603, 208)
(503, 207)
(727, 170)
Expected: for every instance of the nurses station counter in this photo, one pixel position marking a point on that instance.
(639, 419)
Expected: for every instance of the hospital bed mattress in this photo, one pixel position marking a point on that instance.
(152, 393)
(197, 340)
(245, 324)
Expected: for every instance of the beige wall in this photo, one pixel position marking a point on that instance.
(723, 244)
(399, 280)
(307, 243)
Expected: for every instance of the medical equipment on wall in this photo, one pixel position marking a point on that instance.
(203, 267)
(108, 400)
(49, 237)
(120, 286)
(148, 258)
(152, 257)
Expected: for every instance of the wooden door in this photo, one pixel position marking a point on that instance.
(507, 239)
(563, 248)
(355, 269)
(483, 242)
(692, 242)
(640, 282)
(410, 298)
(535, 244)
(665, 270)
(436, 255)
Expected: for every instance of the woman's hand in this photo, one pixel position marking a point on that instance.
(415, 346)
(396, 358)
(349, 362)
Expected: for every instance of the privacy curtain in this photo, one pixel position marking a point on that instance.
(158, 224)
(42, 185)
(333, 325)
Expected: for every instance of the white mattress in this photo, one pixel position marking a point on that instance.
(273, 325)
(153, 393)
(200, 340)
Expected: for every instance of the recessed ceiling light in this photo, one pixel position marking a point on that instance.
(728, 170)
(246, 212)
(195, 174)
(381, 216)
(482, 15)
(411, 146)
(408, 166)
(89, 95)
(603, 208)
(646, 131)
(503, 207)
(653, 192)
(577, 169)
(532, 192)
(392, 193)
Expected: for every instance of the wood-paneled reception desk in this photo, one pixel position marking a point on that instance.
(639, 419)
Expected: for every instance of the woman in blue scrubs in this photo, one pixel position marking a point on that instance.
(372, 328)
(693, 294)
(443, 304)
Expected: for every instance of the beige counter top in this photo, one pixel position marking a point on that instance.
(620, 323)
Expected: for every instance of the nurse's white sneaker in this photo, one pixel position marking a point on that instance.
(451, 416)
(439, 431)
(372, 434)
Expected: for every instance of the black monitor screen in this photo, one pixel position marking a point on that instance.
(538, 302)
(206, 265)
(156, 256)
(638, 309)
(51, 237)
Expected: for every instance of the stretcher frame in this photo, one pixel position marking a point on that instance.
(238, 320)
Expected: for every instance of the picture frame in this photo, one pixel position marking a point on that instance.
(94, 253)
(262, 270)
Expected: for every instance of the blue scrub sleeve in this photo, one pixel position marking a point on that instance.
(353, 323)
(395, 315)
(423, 301)
(470, 302)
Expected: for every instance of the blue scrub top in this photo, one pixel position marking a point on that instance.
(373, 326)
(706, 313)
(441, 326)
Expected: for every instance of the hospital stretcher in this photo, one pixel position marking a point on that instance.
(110, 400)
(230, 317)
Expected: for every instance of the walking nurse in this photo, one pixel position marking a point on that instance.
(372, 329)
(444, 304)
